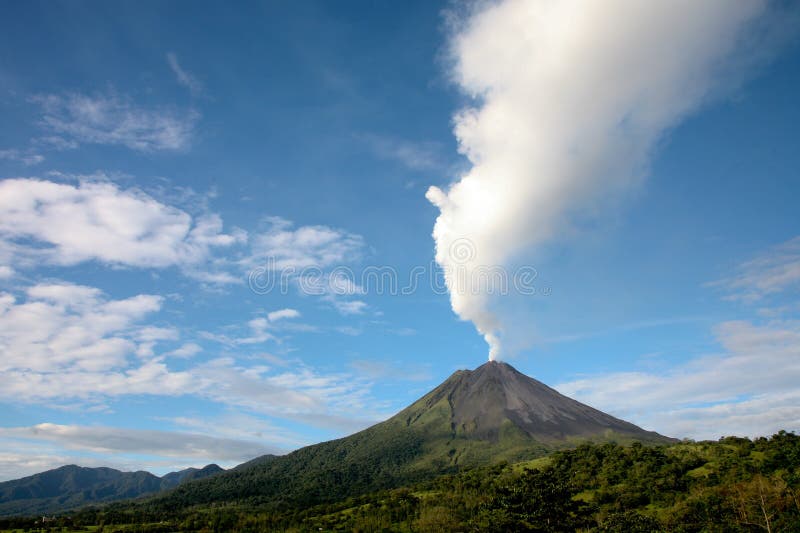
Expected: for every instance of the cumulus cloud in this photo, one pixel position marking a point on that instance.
(66, 224)
(66, 341)
(570, 98)
(113, 119)
(184, 77)
(749, 388)
(63, 327)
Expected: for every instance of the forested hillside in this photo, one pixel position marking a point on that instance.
(71, 486)
(734, 484)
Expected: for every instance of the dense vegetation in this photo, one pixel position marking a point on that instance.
(732, 485)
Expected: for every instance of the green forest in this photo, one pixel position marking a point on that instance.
(734, 484)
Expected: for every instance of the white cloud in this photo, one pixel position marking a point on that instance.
(315, 259)
(751, 387)
(65, 342)
(63, 327)
(68, 224)
(68, 341)
(284, 247)
(350, 307)
(184, 77)
(774, 271)
(258, 327)
(6, 272)
(189, 349)
(571, 98)
(113, 119)
(282, 314)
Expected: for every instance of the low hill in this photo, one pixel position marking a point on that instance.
(173, 479)
(70, 487)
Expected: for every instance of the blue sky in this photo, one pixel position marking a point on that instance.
(154, 158)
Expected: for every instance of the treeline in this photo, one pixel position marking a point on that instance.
(734, 484)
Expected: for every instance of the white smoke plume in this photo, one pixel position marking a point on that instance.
(570, 98)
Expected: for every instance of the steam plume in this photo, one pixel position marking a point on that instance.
(571, 97)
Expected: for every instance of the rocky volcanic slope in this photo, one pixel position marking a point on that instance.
(477, 417)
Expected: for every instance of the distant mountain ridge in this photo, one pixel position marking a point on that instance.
(473, 418)
(71, 486)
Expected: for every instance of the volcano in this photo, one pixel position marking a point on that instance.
(496, 399)
(478, 417)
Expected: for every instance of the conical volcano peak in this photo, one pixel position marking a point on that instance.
(486, 401)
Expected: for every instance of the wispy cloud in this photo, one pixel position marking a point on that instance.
(380, 369)
(772, 272)
(185, 351)
(712, 395)
(256, 331)
(350, 307)
(113, 119)
(26, 158)
(240, 426)
(307, 257)
(184, 77)
(112, 440)
(415, 155)
(289, 247)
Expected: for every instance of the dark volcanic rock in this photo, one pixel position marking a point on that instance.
(482, 399)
